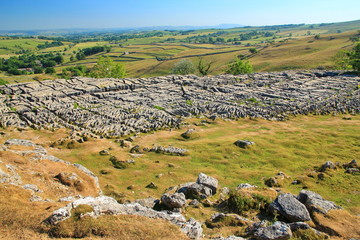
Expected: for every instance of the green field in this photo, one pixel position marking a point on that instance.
(285, 47)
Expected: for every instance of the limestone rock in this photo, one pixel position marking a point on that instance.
(195, 190)
(277, 231)
(327, 165)
(245, 186)
(208, 181)
(176, 200)
(243, 143)
(314, 202)
(291, 208)
(192, 228)
(104, 205)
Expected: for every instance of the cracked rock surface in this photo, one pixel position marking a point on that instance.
(117, 107)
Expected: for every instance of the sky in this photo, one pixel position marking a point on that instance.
(50, 14)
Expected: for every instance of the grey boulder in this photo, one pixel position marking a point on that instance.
(314, 202)
(291, 208)
(176, 200)
(208, 181)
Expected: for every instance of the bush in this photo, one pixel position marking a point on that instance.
(239, 67)
(203, 68)
(240, 202)
(342, 60)
(50, 70)
(183, 67)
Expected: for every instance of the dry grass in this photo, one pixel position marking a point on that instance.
(22, 220)
(339, 223)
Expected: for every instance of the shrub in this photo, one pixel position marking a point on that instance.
(239, 67)
(203, 68)
(342, 60)
(240, 202)
(253, 50)
(183, 67)
(50, 70)
(354, 56)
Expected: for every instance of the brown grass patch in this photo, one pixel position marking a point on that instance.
(339, 223)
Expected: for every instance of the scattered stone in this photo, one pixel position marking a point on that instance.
(125, 144)
(176, 200)
(104, 153)
(352, 170)
(243, 143)
(351, 164)
(327, 165)
(277, 231)
(289, 207)
(245, 186)
(169, 150)
(190, 134)
(152, 185)
(135, 149)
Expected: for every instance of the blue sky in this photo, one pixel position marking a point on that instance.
(50, 14)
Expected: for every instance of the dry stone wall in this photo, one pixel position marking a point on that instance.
(117, 107)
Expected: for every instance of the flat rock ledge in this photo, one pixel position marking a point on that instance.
(106, 205)
(119, 107)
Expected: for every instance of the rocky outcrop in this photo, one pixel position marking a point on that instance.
(36, 152)
(117, 107)
(104, 205)
(28, 165)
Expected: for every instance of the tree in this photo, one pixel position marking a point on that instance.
(38, 70)
(183, 67)
(354, 56)
(239, 67)
(253, 50)
(107, 68)
(80, 56)
(50, 70)
(203, 67)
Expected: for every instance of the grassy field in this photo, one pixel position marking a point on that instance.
(296, 147)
